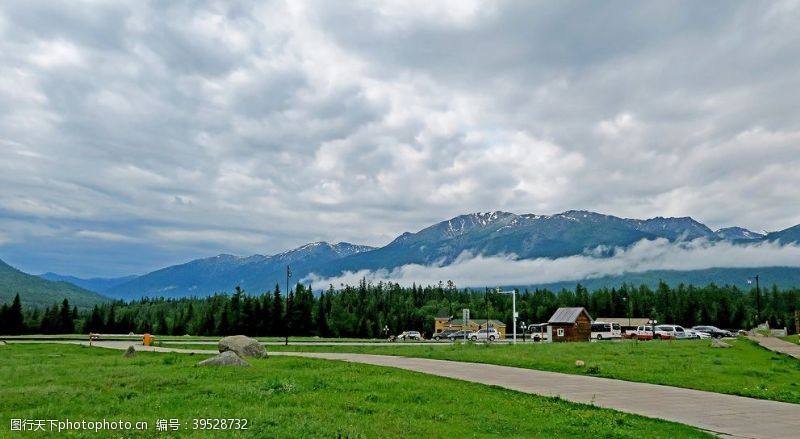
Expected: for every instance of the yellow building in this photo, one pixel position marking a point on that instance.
(447, 323)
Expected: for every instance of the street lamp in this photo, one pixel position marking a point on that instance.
(514, 308)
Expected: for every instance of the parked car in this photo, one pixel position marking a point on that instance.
(675, 331)
(490, 334)
(410, 335)
(460, 335)
(713, 331)
(444, 335)
(646, 333)
(696, 335)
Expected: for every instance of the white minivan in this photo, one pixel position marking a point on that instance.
(606, 331)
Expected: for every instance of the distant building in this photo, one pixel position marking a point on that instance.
(570, 324)
(442, 323)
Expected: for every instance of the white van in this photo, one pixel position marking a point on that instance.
(538, 331)
(606, 331)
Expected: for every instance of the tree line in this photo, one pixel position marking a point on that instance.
(366, 309)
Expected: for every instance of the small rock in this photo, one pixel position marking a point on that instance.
(243, 346)
(579, 363)
(717, 343)
(130, 352)
(227, 358)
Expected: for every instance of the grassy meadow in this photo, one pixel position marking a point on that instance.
(286, 397)
(745, 369)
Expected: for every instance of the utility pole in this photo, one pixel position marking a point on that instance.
(758, 303)
(288, 317)
(487, 316)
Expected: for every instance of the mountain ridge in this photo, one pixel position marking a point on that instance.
(527, 236)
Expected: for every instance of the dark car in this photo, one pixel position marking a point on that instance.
(460, 335)
(713, 331)
(444, 335)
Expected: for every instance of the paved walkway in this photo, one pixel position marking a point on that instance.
(725, 415)
(777, 345)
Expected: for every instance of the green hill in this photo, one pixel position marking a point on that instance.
(35, 291)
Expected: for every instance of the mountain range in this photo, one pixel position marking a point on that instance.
(528, 236)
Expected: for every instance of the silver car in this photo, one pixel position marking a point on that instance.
(676, 331)
(490, 334)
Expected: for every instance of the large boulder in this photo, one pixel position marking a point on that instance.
(243, 346)
(130, 352)
(227, 358)
(717, 343)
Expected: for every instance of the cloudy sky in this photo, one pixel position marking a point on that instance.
(137, 134)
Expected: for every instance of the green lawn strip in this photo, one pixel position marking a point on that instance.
(287, 397)
(179, 338)
(791, 338)
(745, 369)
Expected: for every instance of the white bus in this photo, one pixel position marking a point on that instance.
(606, 331)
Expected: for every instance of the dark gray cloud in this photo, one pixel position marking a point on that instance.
(139, 134)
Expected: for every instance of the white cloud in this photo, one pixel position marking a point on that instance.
(646, 255)
(104, 236)
(299, 121)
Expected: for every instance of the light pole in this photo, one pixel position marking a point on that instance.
(758, 301)
(288, 317)
(514, 308)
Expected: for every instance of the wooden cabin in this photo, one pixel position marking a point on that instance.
(570, 324)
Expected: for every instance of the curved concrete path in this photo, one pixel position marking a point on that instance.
(777, 345)
(725, 415)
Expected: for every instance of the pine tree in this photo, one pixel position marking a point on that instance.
(188, 319)
(111, 323)
(224, 326)
(321, 318)
(15, 322)
(95, 322)
(4, 323)
(277, 323)
(289, 320)
(161, 326)
(207, 326)
(66, 324)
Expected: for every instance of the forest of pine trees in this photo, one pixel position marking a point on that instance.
(363, 310)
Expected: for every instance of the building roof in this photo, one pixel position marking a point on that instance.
(624, 321)
(443, 314)
(568, 315)
(496, 323)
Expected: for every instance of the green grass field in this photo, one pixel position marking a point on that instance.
(792, 338)
(181, 338)
(286, 397)
(745, 369)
